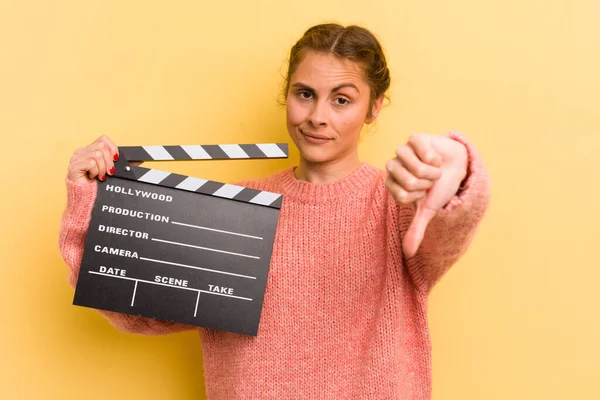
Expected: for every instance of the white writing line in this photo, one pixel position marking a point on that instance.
(225, 295)
(205, 248)
(200, 268)
(197, 300)
(173, 286)
(134, 290)
(217, 230)
(141, 280)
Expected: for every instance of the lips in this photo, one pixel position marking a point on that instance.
(314, 135)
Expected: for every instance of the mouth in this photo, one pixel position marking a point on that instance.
(314, 136)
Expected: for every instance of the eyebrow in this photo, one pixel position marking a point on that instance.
(335, 89)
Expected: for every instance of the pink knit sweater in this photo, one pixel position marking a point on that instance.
(345, 314)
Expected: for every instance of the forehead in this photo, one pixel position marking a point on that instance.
(321, 69)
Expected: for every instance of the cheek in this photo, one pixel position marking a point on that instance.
(349, 125)
(294, 112)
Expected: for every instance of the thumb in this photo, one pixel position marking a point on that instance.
(416, 231)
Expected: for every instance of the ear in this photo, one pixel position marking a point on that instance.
(375, 110)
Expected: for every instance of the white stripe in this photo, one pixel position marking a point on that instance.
(265, 198)
(192, 184)
(154, 176)
(228, 191)
(158, 152)
(234, 151)
(271, 150)
(196, 152)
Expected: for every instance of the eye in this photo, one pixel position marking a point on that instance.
(342, 101)
(304, 94)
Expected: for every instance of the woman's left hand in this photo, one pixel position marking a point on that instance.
(427, 170)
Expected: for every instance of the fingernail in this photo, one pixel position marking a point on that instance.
(112, 171)
(103, 178)
(116, 157)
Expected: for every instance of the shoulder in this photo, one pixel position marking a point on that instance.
(378, 175)
(376, 178)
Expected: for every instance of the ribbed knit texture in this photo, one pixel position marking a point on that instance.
(344, 313)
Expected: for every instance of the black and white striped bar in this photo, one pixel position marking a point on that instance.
(205, 152)
(212, 188)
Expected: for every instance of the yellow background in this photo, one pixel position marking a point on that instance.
(518, 316)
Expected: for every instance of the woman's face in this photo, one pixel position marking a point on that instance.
(327, 106)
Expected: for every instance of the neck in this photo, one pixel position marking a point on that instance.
(327, 172)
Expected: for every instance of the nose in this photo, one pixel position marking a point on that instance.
(318, 114)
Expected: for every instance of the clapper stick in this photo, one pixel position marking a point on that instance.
(205, 152)
(200, 152)
(179, 248)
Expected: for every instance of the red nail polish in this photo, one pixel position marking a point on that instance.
(116, 157)
(103, 178)
(112, 170)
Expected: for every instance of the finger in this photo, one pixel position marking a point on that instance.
(92, 167)
(113, 149)
(423, 148)
(405, 179)
(416, 231)
(82, 169)
(403, 196)
(108, 154)
(99, 158)
(408, 158)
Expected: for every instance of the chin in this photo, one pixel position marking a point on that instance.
(313, 153)
(316, 155)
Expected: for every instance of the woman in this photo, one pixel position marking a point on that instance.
(357, 249)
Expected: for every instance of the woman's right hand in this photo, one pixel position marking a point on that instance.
(93, 161)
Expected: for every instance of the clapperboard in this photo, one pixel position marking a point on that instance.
(178, 248)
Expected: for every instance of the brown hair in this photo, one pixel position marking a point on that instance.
(351, 43)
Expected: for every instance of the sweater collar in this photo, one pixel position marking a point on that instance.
(351, 185)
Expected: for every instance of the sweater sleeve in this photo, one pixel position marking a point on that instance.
(73, 230)
(451, 231)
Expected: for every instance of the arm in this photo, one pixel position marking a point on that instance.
(451, 231)
(73, 230)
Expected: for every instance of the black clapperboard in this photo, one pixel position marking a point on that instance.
(178, 248)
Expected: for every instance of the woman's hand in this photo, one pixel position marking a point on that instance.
(427, 170)
(93, 161)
